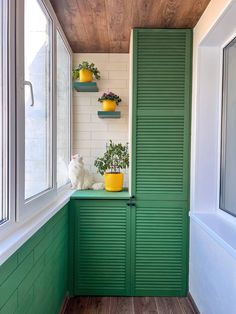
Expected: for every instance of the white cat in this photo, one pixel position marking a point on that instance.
(80, 177)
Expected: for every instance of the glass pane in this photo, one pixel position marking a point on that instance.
(63, 111)
(228, 161)
(3, 114)
(37, 117)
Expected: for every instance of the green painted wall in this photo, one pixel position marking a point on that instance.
(35, 278)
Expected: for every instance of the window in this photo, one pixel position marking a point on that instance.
(38, 139)
(43, 106)
(3, 114)
(35, 105)
(228, 145)
(63, 110)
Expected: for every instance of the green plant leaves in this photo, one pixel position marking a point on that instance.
(114, 159)
(110, 96)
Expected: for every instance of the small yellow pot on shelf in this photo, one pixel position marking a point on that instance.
(85, 76)
(109, 105)
(114, 182)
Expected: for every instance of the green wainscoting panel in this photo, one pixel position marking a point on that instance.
(102, 247)
(35, 278)
(160, 160)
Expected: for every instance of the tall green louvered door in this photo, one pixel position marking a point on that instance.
(160, 160)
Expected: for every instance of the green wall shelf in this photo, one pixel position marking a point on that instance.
(85, 87)
(109, 114)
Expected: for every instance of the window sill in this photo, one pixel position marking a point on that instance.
(219, 228)
(19, 233)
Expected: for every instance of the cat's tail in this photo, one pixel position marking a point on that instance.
(98, 186)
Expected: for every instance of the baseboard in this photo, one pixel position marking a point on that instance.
(64, 305)
(191, 300)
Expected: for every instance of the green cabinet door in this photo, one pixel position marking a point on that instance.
(102, 247)
(160, 160)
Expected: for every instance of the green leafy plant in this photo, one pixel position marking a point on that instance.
(87, 66)
(114, 159)
(110, 96)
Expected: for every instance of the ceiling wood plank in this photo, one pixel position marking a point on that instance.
(105, 25)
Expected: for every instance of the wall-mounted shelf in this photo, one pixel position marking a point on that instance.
(85, 87)
(109, 114)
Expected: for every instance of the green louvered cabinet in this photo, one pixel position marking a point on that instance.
(160, 161)
(101, 247)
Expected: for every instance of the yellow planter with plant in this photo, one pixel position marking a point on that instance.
(114, 182)
(109, 101)
(85, 76)
(85, 72)
(110, 165)
(109, 105)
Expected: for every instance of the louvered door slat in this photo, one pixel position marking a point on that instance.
(161, 128)
(102, 249)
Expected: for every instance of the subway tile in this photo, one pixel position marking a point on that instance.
(117, 75)
(124, 66)
(82, 151)
(118, 58)
(90, 57)
(113, 84)
(82, 136)
(80, 99)
(84, 117)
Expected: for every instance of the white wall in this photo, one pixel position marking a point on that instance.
(90, 134)
(212, 273)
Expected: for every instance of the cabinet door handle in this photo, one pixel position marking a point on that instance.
(131, 202)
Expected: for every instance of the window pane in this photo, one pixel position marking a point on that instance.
(228, 160)
(38, 176)
(63, 111)
(3, 114)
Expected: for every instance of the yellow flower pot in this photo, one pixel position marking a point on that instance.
(109, 105)
(114, 182)
(85, 76)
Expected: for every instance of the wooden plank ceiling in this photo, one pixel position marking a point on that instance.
(104, 25)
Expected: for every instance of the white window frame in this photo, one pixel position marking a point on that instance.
(68, 48)
(24, 208)
(223, 213)
(28, 208)
(9, 98)
(22, 224)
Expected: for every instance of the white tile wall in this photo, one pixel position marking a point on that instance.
(90, 134)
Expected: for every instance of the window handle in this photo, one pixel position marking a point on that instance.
(28, 83)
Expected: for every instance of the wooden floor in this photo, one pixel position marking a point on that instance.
(128, 305)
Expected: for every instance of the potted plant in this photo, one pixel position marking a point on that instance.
(109, 101)
(114, 159)
(85, 72)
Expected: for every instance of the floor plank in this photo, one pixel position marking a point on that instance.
(186, 306)
(173, 305)
(144, 305)
(121, 305)
(129, 305)
(161, 305)
(98, 305)
(77, 305)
